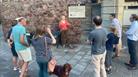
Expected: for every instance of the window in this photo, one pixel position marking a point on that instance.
(94, 1)
(4, 0)
(132, 7)
(131, 0)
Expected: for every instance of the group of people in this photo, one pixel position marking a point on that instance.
(103, 44)
(19, 41)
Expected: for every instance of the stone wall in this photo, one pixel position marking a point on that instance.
(108, 7)
(40, 12)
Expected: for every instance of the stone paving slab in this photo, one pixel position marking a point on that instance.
(80, 58)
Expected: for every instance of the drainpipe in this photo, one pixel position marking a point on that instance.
(116, 7)
(115, 3)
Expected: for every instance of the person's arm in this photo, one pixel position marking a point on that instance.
(9, 42)
(22, 37)
(60, 25)
(51, 35)
(9, 38)
(22, 40)
(68, 24)
(9, 33)
(132, 29)
(90, 38)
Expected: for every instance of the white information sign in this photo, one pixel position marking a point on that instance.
(76, 11)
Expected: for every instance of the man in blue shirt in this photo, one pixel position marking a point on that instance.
(21, 44)
(132, 38)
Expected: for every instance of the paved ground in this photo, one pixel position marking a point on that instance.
(79, 58)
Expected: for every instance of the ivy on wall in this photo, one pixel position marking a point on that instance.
(37, 12)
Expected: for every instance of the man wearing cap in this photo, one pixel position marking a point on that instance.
(21, 44)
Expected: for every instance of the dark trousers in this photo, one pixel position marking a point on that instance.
(14, 53)
(64, 37)
(59, 42)
(43, 72)
(132, 51)
(108, 59)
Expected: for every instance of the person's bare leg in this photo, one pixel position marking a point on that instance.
(15, 62)
(23, 70)
(20, 64)
(117, 51)
(118, 48)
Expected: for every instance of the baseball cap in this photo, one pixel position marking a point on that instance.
(17, 19)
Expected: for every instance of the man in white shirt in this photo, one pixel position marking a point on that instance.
(132, 38)
(115, 22)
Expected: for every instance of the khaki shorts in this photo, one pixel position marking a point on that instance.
(25, 55)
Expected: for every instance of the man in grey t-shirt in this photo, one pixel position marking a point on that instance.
(98, 39)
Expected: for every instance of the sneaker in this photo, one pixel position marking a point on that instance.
(132, 68)
(115, 56)
(20, 70)
(15, 68)
(109, 71)
(128, 64)
(71, 47)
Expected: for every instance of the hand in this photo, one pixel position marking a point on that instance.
(49, 26)
(53, 61)
(10, 42)
(114, 46)
(88, 42)
(68, 24)
(9, 45)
